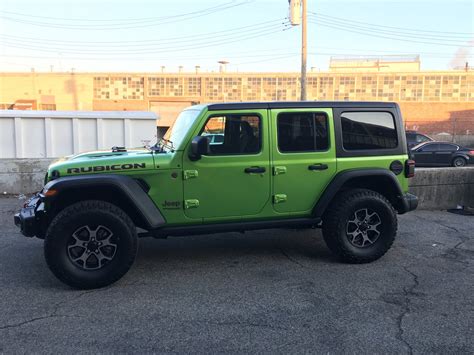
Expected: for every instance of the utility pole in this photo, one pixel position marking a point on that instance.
(297, 15)
(303, 49)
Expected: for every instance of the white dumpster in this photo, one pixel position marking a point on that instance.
(52, 134)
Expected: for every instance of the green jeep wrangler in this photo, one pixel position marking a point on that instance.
(341, 166)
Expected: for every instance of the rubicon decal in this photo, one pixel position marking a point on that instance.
(99, 168)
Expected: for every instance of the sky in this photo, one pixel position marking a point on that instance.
(252, 35)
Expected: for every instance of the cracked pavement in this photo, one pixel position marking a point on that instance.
(276, 291)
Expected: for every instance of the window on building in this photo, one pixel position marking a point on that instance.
(368, 130)
(302, 132)
(48, 107)
(233, 134)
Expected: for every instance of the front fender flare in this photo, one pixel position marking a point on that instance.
(127, 186)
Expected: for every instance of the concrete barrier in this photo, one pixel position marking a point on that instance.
(22, 176)
(443, 188)
(436, 188)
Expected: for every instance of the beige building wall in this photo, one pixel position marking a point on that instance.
(59, 91)
(423, 95)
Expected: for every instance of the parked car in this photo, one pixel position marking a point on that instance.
(442, 154)
(415, 138)
(217, 138)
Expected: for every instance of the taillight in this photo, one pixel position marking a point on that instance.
(471, 152)
(409, 168)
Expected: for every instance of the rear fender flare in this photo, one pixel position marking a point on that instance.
(345, 177)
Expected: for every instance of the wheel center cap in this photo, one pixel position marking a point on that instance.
(363, 227)
(92, 245)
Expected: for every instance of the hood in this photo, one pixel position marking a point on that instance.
(129, 161)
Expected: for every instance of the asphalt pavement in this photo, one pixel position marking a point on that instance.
(273, 291)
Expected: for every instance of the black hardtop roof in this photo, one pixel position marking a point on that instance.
(299, 104)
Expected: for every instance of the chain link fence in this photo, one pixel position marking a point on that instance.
(456, 130)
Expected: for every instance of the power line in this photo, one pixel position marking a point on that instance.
(206, 44)
(140, 19)
(128, 25)
(372, 34)
(387, 32)
(145, 43)
(416, 30)
(156, 49)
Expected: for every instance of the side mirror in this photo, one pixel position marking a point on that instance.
(199, 147)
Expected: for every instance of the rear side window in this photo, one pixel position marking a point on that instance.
(448, 147)
(302, 132)
(368, 130)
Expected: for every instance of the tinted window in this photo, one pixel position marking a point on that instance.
(368, 130)
(219, 139)
(233, 134)
(448, 147)
(430, 148)
(302, 132)
(421, 138)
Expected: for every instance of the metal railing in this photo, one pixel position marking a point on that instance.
(456, 130)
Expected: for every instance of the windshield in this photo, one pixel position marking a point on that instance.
(178, 130)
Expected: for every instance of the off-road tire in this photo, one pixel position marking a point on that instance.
(459, 162)
(90, 213)
(338, 215)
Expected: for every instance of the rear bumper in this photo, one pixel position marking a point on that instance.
(29, 217)
(408, 202)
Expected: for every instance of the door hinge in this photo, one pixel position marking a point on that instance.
(279, 198)
(190, 174)
(278, 170)
(191, 204)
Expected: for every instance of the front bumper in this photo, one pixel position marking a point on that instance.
(29, 217)
(408, 202)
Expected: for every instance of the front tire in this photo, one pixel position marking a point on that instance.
(359, 226)
(90, 244)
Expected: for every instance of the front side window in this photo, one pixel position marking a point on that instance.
(302, 132)
(430, 148)
(233, 134)
(368, 130)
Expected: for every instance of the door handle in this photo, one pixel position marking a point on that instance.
(318, 167)
(255, 170)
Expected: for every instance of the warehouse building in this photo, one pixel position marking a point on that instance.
(422, 95)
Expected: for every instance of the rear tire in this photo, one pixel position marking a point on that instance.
(359, 226)
(90, 244)
(459, 162)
